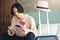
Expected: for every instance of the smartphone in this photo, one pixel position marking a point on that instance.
(17, 25)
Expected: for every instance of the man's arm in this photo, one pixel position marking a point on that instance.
(33, 26)
(11, 27)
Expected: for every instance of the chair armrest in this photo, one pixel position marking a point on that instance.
(49, 37)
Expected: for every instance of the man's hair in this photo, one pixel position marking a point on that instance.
(18, 6)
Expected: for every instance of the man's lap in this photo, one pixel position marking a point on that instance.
(29, 36)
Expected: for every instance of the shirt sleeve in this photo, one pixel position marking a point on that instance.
(12, 23)
(33, 26)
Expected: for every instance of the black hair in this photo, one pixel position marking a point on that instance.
(18, 6)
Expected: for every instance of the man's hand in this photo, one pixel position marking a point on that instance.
(11, 32)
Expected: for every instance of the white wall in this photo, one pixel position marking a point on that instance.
(54, 29)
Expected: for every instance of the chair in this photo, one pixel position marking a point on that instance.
(50, 37)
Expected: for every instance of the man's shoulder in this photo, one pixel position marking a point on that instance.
(29, 16)
(14, 17)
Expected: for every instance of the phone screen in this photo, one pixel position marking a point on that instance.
(17, 25)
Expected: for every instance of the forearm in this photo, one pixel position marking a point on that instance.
(29, 30)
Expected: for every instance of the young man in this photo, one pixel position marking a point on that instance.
(22, 26)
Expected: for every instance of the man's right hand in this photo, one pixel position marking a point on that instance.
(10, 32)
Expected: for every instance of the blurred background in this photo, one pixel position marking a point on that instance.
(29, 7)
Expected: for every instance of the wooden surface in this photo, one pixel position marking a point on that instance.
(5, 14)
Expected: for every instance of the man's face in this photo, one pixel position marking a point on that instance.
(16, 13)
(15, 10)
